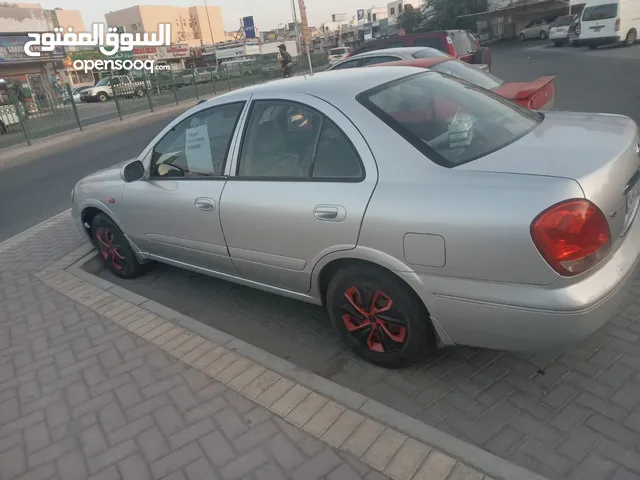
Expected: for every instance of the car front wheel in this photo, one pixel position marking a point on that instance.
(522, 37)
(114, 248)
(103, 97)
(543, 35)
(379, 317)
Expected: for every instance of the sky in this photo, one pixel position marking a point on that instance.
(267, 13)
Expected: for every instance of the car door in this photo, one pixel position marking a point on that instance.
(298, 190)
(174, 212)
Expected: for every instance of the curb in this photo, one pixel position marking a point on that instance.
(342, 413)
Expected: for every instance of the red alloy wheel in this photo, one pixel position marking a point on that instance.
(109, 250)
(371, 319)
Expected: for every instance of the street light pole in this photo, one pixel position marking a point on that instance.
(206, 9)
(295, 20)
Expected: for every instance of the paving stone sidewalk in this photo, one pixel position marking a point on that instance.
(93, 388)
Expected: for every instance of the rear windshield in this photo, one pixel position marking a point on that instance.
(437, 42)
(429, 53)
(600, 12)
(469, 73)
(562, 21)
(449, 120)
(337, 51)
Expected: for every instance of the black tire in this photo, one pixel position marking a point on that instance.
(412, 328)
(522, 37)
(483, 56)
(543, 35)
(557, 44)
(592, 47)
(631, 37)
(140, 92)
(114, 248)
(103, 97)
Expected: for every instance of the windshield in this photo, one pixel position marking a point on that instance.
(103, 82)
(429, 53)
(600, 12)
(471, 74)
(449, 120)
(338, 51)
(562, 21)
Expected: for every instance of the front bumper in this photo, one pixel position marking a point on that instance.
(529, 317)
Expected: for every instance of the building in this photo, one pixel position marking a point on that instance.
(395, 8)
(194, 26)
(43, 76)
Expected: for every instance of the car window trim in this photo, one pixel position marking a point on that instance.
(222, 176)
(234, 176)
(422, 147)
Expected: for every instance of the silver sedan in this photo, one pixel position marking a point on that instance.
(421, 210)
(376, 57)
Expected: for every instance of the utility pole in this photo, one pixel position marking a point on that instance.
(206, 9)
(303, 16)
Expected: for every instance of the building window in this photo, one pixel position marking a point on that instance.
(400, 8)
(392, 11)
(374, 17)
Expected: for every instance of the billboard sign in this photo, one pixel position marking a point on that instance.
(360, 14)
(12, 50)
(249, 27)
(368, 31)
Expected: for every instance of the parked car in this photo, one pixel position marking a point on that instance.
(337, 54)
(200, 75)
(482, 223)
(606, 22)
(387, 55)
(108, 87)
(536, 29)
(166, 81)
(559, 31)
(537, 95)
(457, 43)
(75, 92)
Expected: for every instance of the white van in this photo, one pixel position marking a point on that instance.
(605, 22)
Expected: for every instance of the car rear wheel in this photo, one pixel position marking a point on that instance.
(114, 248)
(522, 37)
(632, 36)
(378, 317)
(544, 35)
(482, 56)
(140, 92)
(557, 44)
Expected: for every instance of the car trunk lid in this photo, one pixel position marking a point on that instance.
(535, 95)
(599, 151)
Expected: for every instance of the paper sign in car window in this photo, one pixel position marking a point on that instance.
(198, 150)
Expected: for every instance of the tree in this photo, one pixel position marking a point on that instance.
(410, 19)
(444, 14)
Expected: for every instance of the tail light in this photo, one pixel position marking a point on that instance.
(617, 25)
(451, 50)
(572, 236)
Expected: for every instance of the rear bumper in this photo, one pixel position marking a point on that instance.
(600, 40)
(529, 317)
(559, 36)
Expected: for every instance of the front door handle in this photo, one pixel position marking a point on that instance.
(206, 204)
(330, 213)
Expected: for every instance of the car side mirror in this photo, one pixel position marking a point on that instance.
(132, 172)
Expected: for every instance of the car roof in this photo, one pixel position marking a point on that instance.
(332, 86)
(418, 62)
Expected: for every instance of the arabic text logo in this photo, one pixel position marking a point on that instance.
(108, 43)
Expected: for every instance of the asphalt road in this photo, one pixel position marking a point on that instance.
(40, 187)
(604, 81)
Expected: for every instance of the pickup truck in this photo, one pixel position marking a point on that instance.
(124, 87)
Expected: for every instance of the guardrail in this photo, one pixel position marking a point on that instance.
(24, 121)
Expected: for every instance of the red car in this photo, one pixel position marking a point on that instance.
(537, 95)
(459, 44)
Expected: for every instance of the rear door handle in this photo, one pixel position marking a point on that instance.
(206, 204)
(330, 213)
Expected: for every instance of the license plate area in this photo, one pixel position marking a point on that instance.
(632, 197)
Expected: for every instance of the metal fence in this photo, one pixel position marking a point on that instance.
(26, 120)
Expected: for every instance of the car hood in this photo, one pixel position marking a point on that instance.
(106, 174)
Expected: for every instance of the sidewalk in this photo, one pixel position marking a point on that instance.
(94, 386)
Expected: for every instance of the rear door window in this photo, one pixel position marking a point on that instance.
(355, 63)
(600, 12)
(379, 59)
(433, 42)
(461, 43)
